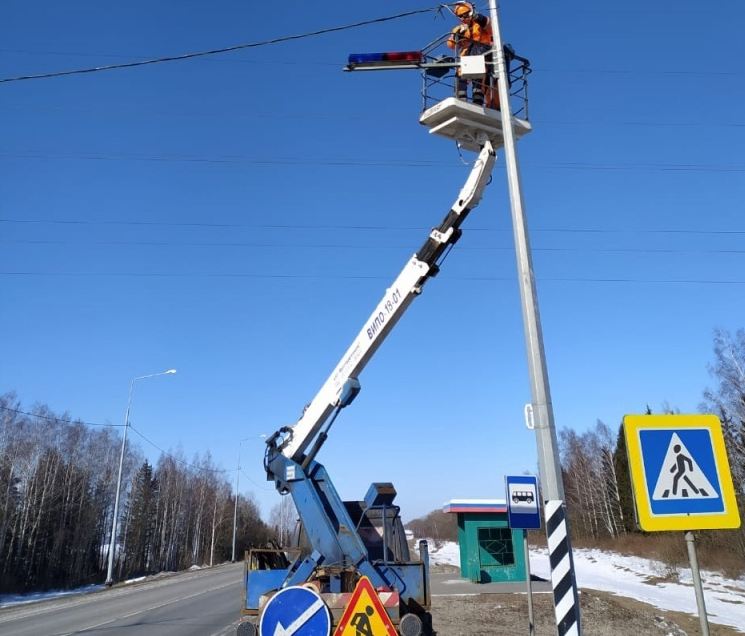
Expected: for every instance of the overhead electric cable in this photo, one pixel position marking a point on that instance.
(57, 419)
(254, 483)
(314, 226)
(177, 459)
(684, 281)
(376, 163)
(227, 49)
(372, 246)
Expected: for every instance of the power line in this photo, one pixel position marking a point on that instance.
(377, 163)
(238, 275)
(375, 246)
(237, 47)
(57, 419)
(134, 430)
(254, 483)
(353, 226)
(177, 459)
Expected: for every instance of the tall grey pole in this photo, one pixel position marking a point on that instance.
(696, 575)
(235, 507)
(112, 544)
(548, 456)
(110, 570)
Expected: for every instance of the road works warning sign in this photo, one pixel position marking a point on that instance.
(365, 614)
(680, 473)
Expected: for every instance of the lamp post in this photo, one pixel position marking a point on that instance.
(109, 573)
(235, 505)
(566, 599)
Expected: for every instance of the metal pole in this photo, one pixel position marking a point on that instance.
(526, 552)
(110, 570)
(696, 574)
(235, 507)
(548, 456)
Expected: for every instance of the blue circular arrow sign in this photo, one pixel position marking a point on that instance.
(295, 611)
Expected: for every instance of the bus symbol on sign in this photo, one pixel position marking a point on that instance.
(522, 495)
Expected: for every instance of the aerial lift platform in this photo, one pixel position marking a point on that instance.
(348, 540)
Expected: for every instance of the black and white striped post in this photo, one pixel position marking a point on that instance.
(566, 601)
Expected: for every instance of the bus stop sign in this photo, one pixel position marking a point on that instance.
(522, 502)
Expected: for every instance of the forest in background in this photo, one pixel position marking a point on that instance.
(57, 489)
(58, 482)
(597, 484)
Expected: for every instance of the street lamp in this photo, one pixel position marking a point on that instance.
(109, 573)
(235, 505)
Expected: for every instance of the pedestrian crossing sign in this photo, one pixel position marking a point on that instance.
(680, 472)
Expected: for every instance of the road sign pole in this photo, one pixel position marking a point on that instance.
(696, 574)
(526, 551)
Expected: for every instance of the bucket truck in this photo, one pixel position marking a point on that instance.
(349, 540)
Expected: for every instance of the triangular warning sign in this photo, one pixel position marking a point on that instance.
(365, 614)
(680, 476)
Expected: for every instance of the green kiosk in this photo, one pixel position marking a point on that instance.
(490, 552)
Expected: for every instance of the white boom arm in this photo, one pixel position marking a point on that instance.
(389, 310)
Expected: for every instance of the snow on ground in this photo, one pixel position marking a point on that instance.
(6, 600)
(445, 553)
(636, 578)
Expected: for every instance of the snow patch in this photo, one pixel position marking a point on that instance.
(636, 578)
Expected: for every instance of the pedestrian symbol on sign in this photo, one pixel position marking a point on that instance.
(680, 476)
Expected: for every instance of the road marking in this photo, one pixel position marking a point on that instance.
(224, 631)
(19, 612)
(147, 609)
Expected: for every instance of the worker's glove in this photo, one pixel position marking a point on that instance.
(459, 31)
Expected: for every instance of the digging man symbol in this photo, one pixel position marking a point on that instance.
(361, 622)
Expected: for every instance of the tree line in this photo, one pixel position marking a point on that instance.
(57, 490)
(595, 470)
(595, 467)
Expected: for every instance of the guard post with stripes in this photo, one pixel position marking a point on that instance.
(563, 582)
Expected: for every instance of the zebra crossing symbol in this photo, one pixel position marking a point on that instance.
(680, 472)
(680, 475)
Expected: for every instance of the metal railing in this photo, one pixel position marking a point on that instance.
(439, 75)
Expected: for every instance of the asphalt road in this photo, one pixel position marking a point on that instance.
(199, 603)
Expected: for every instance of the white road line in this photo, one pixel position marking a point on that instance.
(147, 609)
(33, 609)
(224, 631)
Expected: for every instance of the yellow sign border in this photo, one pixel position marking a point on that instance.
(649, 522)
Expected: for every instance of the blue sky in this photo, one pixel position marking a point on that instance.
(238, 217)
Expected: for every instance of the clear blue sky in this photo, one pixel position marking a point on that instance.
(215, 215)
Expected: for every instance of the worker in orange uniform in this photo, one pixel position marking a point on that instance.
(473, 36)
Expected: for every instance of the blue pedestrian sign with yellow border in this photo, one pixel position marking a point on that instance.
(680, 472)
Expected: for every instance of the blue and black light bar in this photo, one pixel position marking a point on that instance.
(395, 59)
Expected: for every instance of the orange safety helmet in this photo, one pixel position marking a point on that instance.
(463, 10)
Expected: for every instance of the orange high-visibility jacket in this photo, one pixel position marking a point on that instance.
(477, 29)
